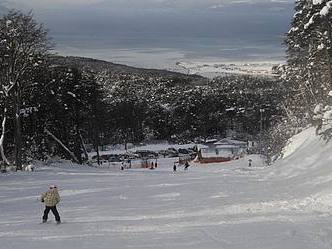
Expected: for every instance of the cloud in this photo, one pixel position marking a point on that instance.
(53, 3)
(217, 6)
(137, 3)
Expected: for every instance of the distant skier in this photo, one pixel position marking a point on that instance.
(250, 162)
(186, 165)
(51, 198)
(174, 167)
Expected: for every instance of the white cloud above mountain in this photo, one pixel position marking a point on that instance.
(52, 3)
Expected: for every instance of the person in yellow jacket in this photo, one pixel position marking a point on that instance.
(51, 198)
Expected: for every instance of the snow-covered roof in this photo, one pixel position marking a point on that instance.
(316, 2)
(202, 146)
(209, 141)
(227, 146)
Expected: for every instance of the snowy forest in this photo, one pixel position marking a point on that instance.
(53, 105)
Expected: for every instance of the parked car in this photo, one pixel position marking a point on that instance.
(183, 151)
(146, 154)
(107, 158)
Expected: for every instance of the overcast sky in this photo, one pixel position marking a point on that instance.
(135, 31)
(138, 3)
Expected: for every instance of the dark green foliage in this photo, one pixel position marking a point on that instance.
(145, 106)
(67, 102)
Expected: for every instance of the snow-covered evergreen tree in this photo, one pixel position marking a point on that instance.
(307, 74)
(308, 69)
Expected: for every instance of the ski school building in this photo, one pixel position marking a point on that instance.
(214, 151)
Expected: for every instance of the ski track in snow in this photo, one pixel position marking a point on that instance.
(218, 206)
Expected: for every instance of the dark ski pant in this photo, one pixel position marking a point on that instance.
(54, 211)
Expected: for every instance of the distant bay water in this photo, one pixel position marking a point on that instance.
(163, 53)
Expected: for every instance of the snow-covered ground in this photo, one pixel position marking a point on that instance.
(226, 205)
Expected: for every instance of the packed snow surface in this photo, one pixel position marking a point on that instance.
(228, 205)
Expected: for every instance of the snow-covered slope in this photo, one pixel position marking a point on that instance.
(305, 171)
(225, 205)
(305, 156)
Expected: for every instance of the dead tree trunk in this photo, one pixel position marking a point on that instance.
(83, 146)
(18, 130)
(98, 155)
(2, 139)
(62, 145)
(328, 51)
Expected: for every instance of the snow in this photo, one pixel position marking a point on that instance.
(71, 94)
(321, 46)
(328, 115)
(226, 205)
(297, 13)
(326, 9)
(230, 109)
(8, 23)
(293, 29)
(311, 21)
(316, 2)
(295, 143)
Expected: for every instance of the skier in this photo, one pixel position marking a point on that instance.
(174, 167)
(51, 198)
(250, 161)
(186, 165)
